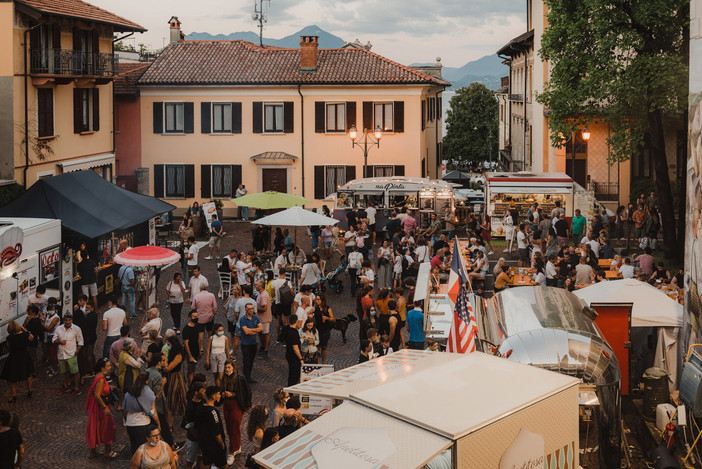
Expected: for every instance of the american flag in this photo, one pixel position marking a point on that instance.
(458, 275)
(464, 330)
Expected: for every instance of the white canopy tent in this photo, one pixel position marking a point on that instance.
(296, 216)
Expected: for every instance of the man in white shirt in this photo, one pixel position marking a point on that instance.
(297, 256)
(303, 311)
(280, 261)
(112, 320)
(243, 266)
(277, 308)
(197, 281)
(355, 260)
(69, 338)
(192, 255)
(594, 244)
(551, 272)
(350, 239)
(522, 246)
(243, 211)
(39, 299)
(627, 270)
(370, 214)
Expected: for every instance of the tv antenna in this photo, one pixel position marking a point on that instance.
(260, 16)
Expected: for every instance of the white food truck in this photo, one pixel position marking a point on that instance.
(31, 255)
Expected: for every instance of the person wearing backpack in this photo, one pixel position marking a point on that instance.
(284, 296)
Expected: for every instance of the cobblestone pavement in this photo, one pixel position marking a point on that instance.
(53, 427)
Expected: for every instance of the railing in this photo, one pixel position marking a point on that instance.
(516, 97)
(605, 191)
(71, 62)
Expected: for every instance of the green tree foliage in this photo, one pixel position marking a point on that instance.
(621, 62)
(469, 122)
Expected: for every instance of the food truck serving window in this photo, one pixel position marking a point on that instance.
(49, 267)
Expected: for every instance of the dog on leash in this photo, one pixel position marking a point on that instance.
(342, 324)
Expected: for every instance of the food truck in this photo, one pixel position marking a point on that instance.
(422, 195)
(461, 411)
(521, 189)
(32, 254)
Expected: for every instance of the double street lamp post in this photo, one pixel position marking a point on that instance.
(585, 134)
(366, 141)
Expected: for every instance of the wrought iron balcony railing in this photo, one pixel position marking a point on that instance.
(71, 63)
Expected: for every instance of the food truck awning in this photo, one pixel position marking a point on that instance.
(565, 189)
(86, 204)
(343, 383)
(353, 436)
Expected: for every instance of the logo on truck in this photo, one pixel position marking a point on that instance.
(390, 186)
(11, 244)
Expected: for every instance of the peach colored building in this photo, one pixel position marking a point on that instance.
(56, 74)
(216, 114)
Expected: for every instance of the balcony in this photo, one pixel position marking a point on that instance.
(72, 63)
(516, 97)
(605, 191)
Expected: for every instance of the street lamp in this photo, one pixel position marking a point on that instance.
(366, 142)
(585, 134)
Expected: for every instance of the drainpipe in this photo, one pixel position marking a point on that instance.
(302, 137)
(508, 102)
(526, 124)
(114, 114)
(26, 106)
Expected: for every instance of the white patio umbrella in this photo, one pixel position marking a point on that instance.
(296, 216)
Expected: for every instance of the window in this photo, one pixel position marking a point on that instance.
(336, 117)
(221, 118)
(86, 110)
(382, 116)
(221, 180)
(174, 118)
(334, 177)
(273, 117)
(383, 171)
(45, 112)
(175, 180)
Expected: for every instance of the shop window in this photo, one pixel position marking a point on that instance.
(273, 117)
(174, 118)
(45, 112)
(382, 116)
(221, 180)
(336, 117)
(174, 175)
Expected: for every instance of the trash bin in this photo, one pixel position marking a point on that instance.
(655, 382)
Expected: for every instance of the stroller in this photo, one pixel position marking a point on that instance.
(334, 279)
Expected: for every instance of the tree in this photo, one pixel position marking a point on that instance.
(620, 62)
(471, 124)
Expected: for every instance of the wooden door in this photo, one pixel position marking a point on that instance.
(614, 321)
(275, 179)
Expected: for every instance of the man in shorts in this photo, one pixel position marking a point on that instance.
(88, 279)
(263, 307)
(69, 338)
(205, 304)
(215, 236)
(280, 309)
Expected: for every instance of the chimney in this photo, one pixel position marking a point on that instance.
(308, 53)
(176, 34)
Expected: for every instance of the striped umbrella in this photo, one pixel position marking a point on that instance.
(147, 256)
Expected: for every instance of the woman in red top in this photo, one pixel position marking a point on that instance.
(100, 429)
(366, 300)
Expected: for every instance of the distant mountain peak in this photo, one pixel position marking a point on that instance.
(326, 40)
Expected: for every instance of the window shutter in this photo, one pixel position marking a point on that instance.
(236, 176)
(257, 115)
(46, 112)
(34, 42)
(188, 118)
(205, 181)
(158, 118)
(77, 121)
(399, 170)
(96, 42)
(367, 115)
(96, 109)
(431, 109)
(236, 118)
(77, 41)
(55, 36)
(319, 126)
(288, 117)
(399, 117)
(319, 182)
(368, 171)
(189, 180)
(205, 118)
(438, 108)
(424, 111)
(350, 173)
(158, 180)
(350, 115)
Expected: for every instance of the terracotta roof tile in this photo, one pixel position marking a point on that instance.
(240, 62)
(127, 76)
(83, 10)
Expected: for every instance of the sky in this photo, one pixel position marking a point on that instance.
(407, 31)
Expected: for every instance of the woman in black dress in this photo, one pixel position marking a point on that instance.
(19, 365)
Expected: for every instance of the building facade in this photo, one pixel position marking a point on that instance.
(216, 114)
(56, 76)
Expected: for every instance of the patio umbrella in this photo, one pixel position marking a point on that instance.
(147, 256)
(270, 200)
(296, 216)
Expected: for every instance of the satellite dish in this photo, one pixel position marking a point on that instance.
(254, 16)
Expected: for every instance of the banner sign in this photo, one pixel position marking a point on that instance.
(312, 405)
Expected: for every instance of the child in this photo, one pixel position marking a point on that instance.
(397, 270)
(385, 348)
(616, 262)
(372, 334)
(433, 345)
(366, 348)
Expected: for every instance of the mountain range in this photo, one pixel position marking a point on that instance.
(486, 70)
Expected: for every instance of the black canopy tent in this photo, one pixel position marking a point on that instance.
(457, 176)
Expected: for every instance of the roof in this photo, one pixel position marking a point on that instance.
(517, 44)
(82, 10)
(87, 204)
(241, 63)
(127, 76)
(273, 155)
(527, 176)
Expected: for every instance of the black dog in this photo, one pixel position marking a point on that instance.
(342, 324)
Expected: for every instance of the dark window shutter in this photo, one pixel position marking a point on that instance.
(158, 180)
(205, 181)
(431, 109)
(189, 180)
(96, 42)
(55, 37)
(77, 111)
(257, 115)
(399, 117)
(188, 121)
(236, 176)
(96, 109)
(438, 108)
(350, 173)
(288, 117)
(399, 170)
(319, 121)
(319, 182)
(424, 111)
(367, 115)
(368, 171)
(77, 39)
(45, 127)
(34, 41)
(158, 118)
(350, 115)
(205, 118)
(236, 118)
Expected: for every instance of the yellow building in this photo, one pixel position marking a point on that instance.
(525, 143)
(219, 113)
(56, 74)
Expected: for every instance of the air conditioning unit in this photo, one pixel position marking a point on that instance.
(690, 382)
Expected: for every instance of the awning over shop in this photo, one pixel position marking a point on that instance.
(273, 156)
(530, 190)
(85, 203)
(87, 163)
